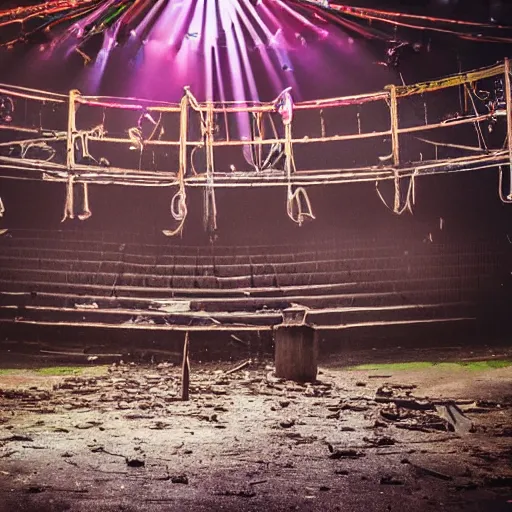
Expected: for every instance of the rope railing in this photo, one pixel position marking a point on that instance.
(40, 158)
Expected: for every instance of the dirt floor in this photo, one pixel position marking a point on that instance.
(373, 438)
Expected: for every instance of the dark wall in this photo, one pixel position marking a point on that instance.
(467, 202)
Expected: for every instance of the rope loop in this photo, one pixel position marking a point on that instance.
(410, 199)
(68, 203)
(504, 199)
(298, 205)
(179, 205)
(86, 211)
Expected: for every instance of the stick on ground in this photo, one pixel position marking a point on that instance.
(238, 368)
(185, 371)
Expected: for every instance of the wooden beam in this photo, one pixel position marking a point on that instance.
(143, 327)
(508, 94)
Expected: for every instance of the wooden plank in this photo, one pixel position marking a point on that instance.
(450, 81)
(142, 327)
(228, 328)
(275, 292)
(393, 323)
(228, 304)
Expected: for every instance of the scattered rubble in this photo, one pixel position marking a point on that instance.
(378, 418)
(135, 462)
(391, 480)
(179, 479)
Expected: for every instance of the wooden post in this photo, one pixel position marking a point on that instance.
(393, 104)
(70, 149)
(508, 94)
(183, 137)
(185, 371)
(210, 206)
(394, 125)
(296, 352)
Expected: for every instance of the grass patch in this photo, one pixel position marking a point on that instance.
(56, 371)
(60, 370)
(9, 371)
(421, 365)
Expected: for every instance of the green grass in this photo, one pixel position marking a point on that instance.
(421, 365)
(59, 370)
(9, 371)
(56, 371)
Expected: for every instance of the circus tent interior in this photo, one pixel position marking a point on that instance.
(284, 221)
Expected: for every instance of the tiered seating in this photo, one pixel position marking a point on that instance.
(91, 281)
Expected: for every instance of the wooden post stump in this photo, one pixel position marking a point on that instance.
(185, 371)
(296, 352)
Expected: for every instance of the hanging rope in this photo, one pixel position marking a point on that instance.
(322, 122)
(259, 137)
(207, 127)
(179, 209)
(68, 204)
(298, 205)
(410, 199)
(505, 199)
(480, 136)
(86, 212)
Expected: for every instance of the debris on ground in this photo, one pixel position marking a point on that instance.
(274, 434)
(347, 453)
(390, 480)
(380, 441)
(455, 417)
(427, 471)
(287, 423)
(135, 462)
(179, 479)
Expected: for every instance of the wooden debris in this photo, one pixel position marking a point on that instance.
(241, 366)
(455, 417)
(16, 437)
(428, 471)
(390, 480)
(258, 482)
(185, 370)
(347, 453)
(179, 479)
(242, 493)
(406, 403)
